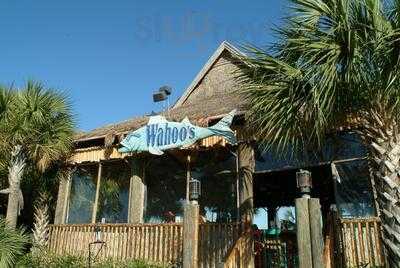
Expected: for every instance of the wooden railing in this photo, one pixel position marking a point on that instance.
(241, 253)
(361, 243)
(158, 243)
(215, 242)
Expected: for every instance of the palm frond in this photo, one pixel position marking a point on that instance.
(333, 59)
(12, 244)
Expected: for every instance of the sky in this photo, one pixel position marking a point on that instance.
(110, 56)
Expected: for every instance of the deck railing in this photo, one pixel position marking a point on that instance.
(216, 240)
(240, 254)
(361, 242)
(358, 242)
(158, 243)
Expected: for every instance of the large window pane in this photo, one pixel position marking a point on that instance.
(82, 195)
(216, 169)
(354, 196)
(114, 192)
(166, 188)
(344, 145)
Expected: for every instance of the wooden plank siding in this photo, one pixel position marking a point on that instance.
(98, 153)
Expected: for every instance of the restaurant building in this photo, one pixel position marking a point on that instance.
(134, 191)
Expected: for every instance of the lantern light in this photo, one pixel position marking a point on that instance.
(304, 182)
(97, 233)
(194, 190)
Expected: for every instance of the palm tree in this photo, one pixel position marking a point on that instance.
(13, 243)
(36, 128)
(335, 62)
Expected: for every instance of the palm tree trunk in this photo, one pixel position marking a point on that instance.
(382, 134)
(15, 198)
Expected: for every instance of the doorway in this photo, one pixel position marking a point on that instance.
(274, 200)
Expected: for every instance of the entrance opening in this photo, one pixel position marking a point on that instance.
(274, 199)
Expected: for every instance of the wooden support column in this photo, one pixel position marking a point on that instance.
(190, 235)
(246, 169)
(96, 199)
(137, 192)
(303, 233)
(188, 176)
(62, 200)
(317, 243)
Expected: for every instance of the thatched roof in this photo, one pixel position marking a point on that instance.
(199, 114)
(200, 109)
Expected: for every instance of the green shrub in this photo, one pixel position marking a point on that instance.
(13, 243)
(51, 260)
(46, 259)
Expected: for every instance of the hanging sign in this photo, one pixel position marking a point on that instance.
(159, 134)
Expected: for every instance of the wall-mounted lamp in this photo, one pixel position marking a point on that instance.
(194, 190)
(304, 182)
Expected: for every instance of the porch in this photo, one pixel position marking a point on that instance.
(349, 243)
(142, 199)
(155, 243)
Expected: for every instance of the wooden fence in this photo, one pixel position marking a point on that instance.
(216, 241)
(241, 254)
(158, 243)
(360, 243)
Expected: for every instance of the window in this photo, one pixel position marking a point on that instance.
(114, 193)
(216, 169)
(344, 145)
(354, 196)
(165, 177)
(82, 194)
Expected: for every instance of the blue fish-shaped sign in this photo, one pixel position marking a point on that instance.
(159, 134)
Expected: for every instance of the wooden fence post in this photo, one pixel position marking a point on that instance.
(303, 233)
(62, 200)
(317, 244)
(190, 235)
(137, 192)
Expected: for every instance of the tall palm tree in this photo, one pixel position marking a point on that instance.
(36, 128)
(334, 62)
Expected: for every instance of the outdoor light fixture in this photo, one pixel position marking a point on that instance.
(162, 94)
(159, 96)
(97, 233)
(97, 241)
(194, 189)
(304, 182)
(166, 89)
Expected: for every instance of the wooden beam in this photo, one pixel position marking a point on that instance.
(66, 200)
(303, 233)
(246, 169)
(62, 200)
(188, 176)
(190, 235)
(96, 199)
(137, 192)
(317, 243)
